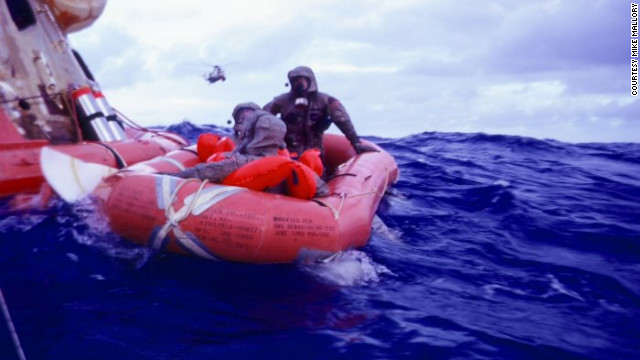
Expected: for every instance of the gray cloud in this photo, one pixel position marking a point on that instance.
(550, 68)
(561, 37)
(114, 59)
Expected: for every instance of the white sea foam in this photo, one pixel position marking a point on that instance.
(89, 226)
(347, 268)
(73, 257)
(21, 223)
(559, 288)
(381, 229)
(503, 183)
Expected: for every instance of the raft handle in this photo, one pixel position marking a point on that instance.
(345, 174)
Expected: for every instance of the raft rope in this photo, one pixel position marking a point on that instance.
(130, 122)
(12, 329)
(32, 97)
(137, 126)
(334, 211)
(343, 197)
(76, 176)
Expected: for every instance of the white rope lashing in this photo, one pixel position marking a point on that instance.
(175, 217)
(336, 212)
(195, 204)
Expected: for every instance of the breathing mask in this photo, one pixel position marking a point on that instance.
(300, 84)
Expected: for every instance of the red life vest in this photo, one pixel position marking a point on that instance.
(270, 171)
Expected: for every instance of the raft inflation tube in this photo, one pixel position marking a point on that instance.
(92, 121)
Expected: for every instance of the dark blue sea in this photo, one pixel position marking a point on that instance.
(488, 247)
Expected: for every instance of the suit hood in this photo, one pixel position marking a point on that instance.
(306, 72)
(241, 106)
(263, 135)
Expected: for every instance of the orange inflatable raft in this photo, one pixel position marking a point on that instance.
(221, 222)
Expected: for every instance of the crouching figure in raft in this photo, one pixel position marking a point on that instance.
(258, 161)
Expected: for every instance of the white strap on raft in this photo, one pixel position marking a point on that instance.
(196, 204)
(211, 196)
(175, 217)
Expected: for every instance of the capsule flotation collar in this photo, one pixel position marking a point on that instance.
(270, 171)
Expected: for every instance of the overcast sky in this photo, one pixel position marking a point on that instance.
(543, 68)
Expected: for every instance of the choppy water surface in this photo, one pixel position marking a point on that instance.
(488, 247)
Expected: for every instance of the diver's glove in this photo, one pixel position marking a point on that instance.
(362, 148)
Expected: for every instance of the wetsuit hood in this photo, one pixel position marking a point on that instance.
(241, 106)
(263, 135)
(306, 72)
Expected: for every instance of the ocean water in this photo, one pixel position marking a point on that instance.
(488, 247)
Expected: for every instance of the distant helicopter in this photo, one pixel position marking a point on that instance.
(214, 75)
